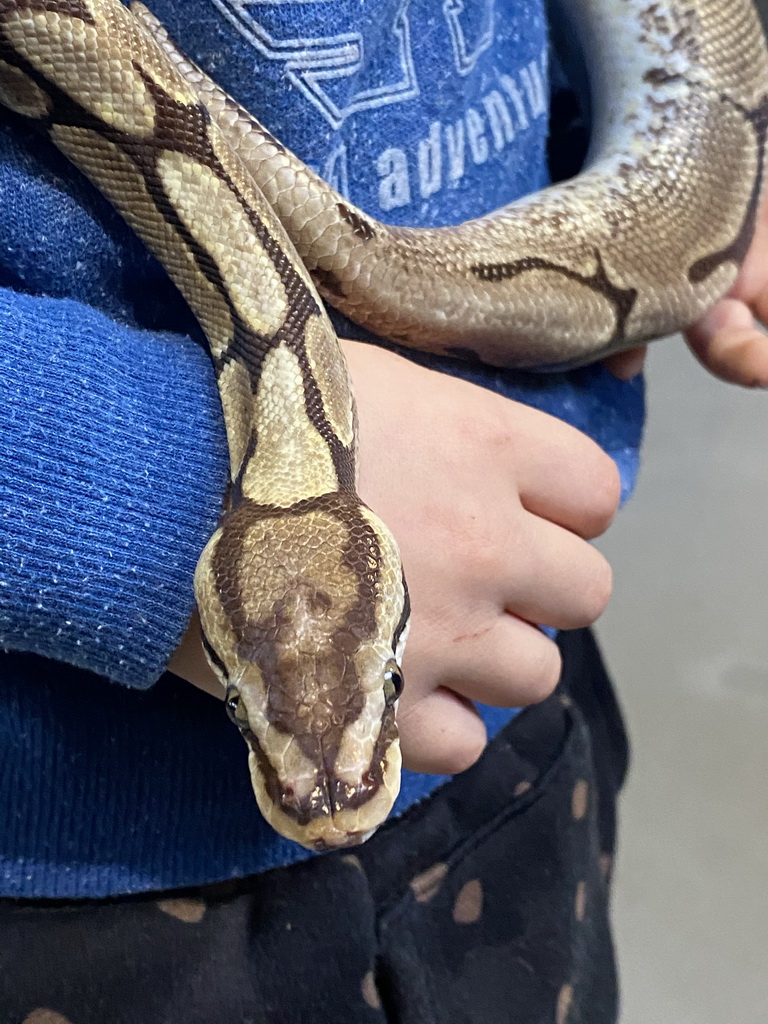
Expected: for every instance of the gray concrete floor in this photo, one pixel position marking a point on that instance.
(686, 637)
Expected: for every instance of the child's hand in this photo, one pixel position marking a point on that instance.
(727, 340)
(489, 501)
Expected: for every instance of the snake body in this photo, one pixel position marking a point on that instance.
(300, 590)
(639, 245)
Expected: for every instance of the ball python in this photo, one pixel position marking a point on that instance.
(301, 595)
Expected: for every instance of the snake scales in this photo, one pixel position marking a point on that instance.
(300, 591)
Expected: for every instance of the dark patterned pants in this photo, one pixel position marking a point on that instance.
(485, 904)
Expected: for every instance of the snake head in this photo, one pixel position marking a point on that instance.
(326, 771)
(307, 633)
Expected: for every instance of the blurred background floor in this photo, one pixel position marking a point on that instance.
(686, 637)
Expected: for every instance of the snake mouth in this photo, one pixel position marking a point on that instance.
(346, 839)
(325, 826)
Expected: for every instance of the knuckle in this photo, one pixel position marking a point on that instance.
(605, 494)
(484, 423)
(474, 536)
(597, 589)
(544, 670)
(460, 758)
(497, 538)
(485, 431)
(485, 554)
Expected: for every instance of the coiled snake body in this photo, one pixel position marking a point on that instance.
(300, 590)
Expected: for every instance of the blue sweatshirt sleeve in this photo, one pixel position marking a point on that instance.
(113, 457)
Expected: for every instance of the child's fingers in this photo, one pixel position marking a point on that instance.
(189, 661)
(626, 365)
(508, 665)
(554, 577)
(728, 342)
(563, 476)
(441, 734)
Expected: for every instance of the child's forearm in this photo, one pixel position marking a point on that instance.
(113, 465)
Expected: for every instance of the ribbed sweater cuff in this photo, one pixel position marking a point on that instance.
(112, 470)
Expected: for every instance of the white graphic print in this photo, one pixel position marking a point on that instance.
(466, 52)
(352, 72)
(452, 148)
(319, 67)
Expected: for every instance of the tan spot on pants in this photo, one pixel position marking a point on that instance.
(370, 992)
(580, 799)
(564, 1000)
(426, 884)
(185, 909)
(580, 902)
(469, 902)
(353, 861)
(43, 1016)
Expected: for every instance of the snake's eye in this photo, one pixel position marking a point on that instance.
(233, 707)
(393, 682)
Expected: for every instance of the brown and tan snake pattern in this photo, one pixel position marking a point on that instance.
(300, 591)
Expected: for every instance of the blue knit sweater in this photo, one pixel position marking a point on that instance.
(113, 458)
